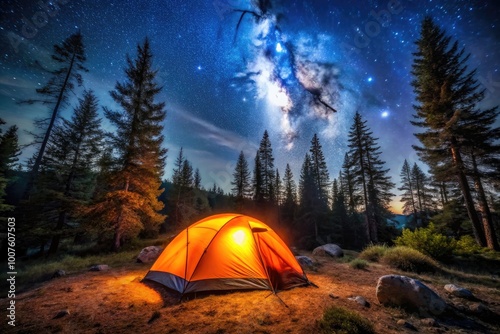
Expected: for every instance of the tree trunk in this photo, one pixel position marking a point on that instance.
(486, 218)
(469, 203)
(118, 229)
(61, 221)
(54, 245)
(117, 238)
(36, 165)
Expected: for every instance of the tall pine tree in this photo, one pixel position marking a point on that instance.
(453, 126)
(369, 173)
(70, 163)
(241, 179)
(9, 152)
(320, 172)
(408, 195)
(69, 58)
(267, 171)
(132, 202)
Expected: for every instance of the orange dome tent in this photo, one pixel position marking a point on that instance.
(227, 252)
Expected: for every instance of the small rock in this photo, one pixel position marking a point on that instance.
(149, 254)
(404, 323)
(360, 300)
(429, 322)
(61, 314)
(478, 308)
(304, 261)
(99, 267)
(458, 291)
(332, 296)
(329, 249)
(295, 251)
(59, 273)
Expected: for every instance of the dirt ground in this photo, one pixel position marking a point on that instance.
(115, 301)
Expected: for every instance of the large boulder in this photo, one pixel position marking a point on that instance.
(328, 249)
(149, 254)
(406, 292)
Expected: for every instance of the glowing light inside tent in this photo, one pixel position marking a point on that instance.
(239, 237)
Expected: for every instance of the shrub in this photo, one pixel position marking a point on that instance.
(409, 259)
(373, 253)
(428, 241)
(358, 264)
(342, 321)
(466, 245)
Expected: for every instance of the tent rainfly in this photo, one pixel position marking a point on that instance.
(227, 252)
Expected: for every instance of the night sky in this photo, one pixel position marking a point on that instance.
(283, 72)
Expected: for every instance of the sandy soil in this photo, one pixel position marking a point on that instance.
(115, 301)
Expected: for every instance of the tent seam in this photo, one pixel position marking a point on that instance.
(205, 250)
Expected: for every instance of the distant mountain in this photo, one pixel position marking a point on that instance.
(398, 221)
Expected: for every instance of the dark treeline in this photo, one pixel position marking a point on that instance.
(85, 185)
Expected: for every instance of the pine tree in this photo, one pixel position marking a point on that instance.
(70, 56)
(132, 203)
(423, 193)
(241, 179)
(453, 126)
(266, 160)
(350, 188)
(340, 217)
(369, 173)
(307, 194)
(290, 188)
(70, 162)
(9, 152)
(408, 196)
(257, 180)
(278, 188)
(320, 172)
(197, 179)
(182, 196)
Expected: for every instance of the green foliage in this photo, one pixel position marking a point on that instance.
(338, 320)
(409, 259)
(428, 241)
(467, 245)
(373, 252)
(358, 264)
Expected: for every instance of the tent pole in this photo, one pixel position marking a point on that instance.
(186, 264)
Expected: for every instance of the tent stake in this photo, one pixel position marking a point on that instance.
(281, 300)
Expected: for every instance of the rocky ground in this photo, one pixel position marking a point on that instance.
(115, 301)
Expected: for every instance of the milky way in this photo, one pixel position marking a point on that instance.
(231, 69)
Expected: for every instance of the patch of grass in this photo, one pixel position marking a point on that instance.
(349, 255)
(37, 270)
(80, 258)
(409, 259)
(338, 320)
(358, 264)
(373, 253)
